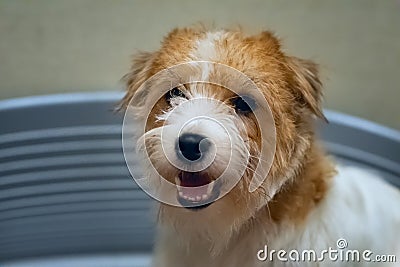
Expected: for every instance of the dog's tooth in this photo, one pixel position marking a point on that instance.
(192, 199)
(210, 187)
(180, 194)
(198, 198)
(185, 197)
(205, 197)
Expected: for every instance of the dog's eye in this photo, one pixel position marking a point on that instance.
(175, 92)
(244, 104)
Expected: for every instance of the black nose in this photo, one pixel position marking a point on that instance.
(192, 146)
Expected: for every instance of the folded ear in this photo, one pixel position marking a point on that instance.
(308, 86)
(137, 75)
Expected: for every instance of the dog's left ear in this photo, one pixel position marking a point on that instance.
(308, 86)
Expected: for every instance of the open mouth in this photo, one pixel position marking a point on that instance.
(196, 190)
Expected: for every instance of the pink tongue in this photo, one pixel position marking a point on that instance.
(194, 184)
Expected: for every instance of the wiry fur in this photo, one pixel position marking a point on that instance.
(314, 203)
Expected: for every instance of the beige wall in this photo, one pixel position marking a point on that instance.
(64, 46)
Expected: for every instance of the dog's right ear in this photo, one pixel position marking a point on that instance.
(308, 86)
(138, 74)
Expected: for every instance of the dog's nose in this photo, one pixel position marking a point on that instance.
(191, 146)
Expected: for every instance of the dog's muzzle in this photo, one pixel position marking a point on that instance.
(195, 189)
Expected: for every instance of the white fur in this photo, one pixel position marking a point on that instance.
(210, 118)
(205, 47)
(205, 50)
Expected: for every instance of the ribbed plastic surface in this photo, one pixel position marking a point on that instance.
(64, 185)
(65, 188)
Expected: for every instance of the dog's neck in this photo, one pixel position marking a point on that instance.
(302, 193)
(291, 206)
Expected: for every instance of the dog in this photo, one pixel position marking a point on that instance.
(301, 200)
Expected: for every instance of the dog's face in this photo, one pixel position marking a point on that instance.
(195, 133)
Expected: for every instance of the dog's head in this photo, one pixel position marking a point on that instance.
(197, 132)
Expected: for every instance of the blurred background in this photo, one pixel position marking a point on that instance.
(55, 46)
